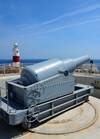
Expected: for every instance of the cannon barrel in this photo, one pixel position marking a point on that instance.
(37, 72)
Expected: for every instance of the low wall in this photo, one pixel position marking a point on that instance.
(90, 80)
(5, 78)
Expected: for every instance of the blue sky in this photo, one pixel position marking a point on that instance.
(47, 29)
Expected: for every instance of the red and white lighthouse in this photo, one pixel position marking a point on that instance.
(16, 55)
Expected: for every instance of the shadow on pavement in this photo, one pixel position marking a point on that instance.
(7, 131)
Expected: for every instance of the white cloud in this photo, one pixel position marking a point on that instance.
(77, 24)
(83, 10)
(79, 11)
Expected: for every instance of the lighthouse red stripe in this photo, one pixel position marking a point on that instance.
(16, 59)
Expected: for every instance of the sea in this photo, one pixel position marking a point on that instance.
(2, 61)
(23, 62)
(33, 61)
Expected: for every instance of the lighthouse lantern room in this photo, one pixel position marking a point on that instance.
(16, 55)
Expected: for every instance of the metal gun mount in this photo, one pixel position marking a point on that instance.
(43, 91)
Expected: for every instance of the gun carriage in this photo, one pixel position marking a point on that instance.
(43, 90)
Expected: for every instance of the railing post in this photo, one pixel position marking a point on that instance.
(91, 62)
(90, 68)
(4, 69)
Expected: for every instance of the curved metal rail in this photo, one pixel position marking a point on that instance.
(71, 131)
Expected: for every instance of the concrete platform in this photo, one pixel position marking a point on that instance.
(68, 121)
(3, 79)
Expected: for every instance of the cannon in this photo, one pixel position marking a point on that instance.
(49, 68)
(43, 91)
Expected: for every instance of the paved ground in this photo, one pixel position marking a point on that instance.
(73, 119)
(70, 120)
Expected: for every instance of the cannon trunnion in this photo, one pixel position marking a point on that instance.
(45, 96)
